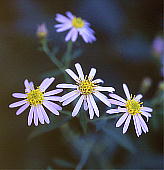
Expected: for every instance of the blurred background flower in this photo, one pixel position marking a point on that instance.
(123, 53)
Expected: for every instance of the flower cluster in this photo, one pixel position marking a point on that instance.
(86, 88)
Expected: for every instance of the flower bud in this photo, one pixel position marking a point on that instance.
(42, 31)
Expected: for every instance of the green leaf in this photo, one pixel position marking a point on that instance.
(54, 123)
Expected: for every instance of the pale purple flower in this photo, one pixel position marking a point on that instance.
(85, 88)
(132, 108)
(36, 99)
(42, 31)
(158, 45)
(76, 26)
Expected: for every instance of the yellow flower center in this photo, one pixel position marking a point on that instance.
(133, 106)
(86, 86)
(77, 22)
(35, 97)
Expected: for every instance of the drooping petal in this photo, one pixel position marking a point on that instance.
(40, 115)
(51, 106)
(92, 73)
(126, 125)
(78, 106)
(71, 86)
(147, 109)
(53, 98)
(138, 97)
(109, 89)
(30, 116)
(146, 114)
(35, 117)
(112, 111)
(22, 108)
(122, 119)
(94, 105)
(68, 95)
(115, 96)
(91, 112)
(143, 124)
(135, 125)
(46, 118)
(70, 34)
(126, 90)
(103, 98)
(85, 105)
(19, 95)
(52, 92)
(46, 84)
(115, 102)
(138, 124)
(74, 35)
(80, 71)
(16, 104)
(69, 100)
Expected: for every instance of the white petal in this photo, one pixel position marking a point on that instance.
(16, 104)
(69, 14)
(138, 124)
(27, 86)
(91, 112)
(19, 95)
(138, 97)
(30, 116)
(120, 109)
(122, 119)
(80, 71)
(72, 74)
(115, 102)
(64, 27)
(35, 117)
(46, 118)
(96, 81)
(22, 108)
(94, 105)
(85, 105)
(72, 86)
(126, 125)
(69, 100)
(53, 98)
(109, 89)
(92, 73)
(126, 90)
(32, 85)
(68, 95)
(69, 34)
(143, 124)
(103, 98)
(50, 107)
(40, 116)
(74, 35)
(46, 84)
(112, 111)
(78, 106)
(146, 114)
(115, 96)
(61, 18)
(147, 109)
(52, 92)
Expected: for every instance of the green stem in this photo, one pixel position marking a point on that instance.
(67, 55)
(53, 58)
(83, 121)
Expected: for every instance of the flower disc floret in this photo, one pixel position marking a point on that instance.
(35, 97)
(77, 22)
(133, 106)
(86, 86)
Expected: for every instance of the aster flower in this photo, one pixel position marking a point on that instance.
(85, 88)
(132, 108)
(76, 25)
(36, 99)
(42, 31)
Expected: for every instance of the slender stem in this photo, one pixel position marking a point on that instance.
(83, 121)
(67, 55)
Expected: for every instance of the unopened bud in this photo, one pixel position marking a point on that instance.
(42, 31)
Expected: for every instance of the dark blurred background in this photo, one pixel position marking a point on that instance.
(125, 30)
